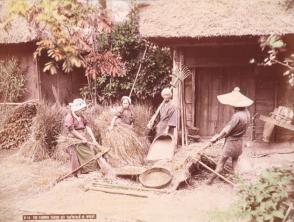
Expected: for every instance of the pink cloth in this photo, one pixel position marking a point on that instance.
(73, 157)
(71, 122)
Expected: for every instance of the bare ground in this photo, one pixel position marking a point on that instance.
(26, 188)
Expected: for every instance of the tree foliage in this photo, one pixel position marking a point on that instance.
(68, 31)
(274, 46)
(124, 39)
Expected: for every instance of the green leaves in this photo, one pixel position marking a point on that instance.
(262, 200)
(154, 75)
(274, 45)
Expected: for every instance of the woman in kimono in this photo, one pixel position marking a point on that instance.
(124, 114)
(78, 128)
(234, 130)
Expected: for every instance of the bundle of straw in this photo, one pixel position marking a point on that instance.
(17, 126)
(127, 147)
(46, 127)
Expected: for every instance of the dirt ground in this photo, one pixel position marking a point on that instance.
(26, 188)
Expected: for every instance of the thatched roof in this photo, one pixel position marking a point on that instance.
(211, 18)
(18, 32)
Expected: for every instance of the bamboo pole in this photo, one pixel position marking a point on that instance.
(77, 169)
(216, 173)
(116, 191)
(182, 115)
(138, 71)
(184, 112)
(128, 187)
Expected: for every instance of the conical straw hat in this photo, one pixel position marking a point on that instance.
(235, 99)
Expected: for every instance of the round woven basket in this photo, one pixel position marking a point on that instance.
(156, 177)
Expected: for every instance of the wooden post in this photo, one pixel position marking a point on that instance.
(193, 97)
(176, 91)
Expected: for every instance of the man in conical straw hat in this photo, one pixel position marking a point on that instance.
(234, 130)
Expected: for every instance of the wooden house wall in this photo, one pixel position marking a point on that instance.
(24, 53)
(39, 84)
(67, 85)
(217, 69)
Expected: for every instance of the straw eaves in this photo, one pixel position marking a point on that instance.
(19, 30)
(212, 18)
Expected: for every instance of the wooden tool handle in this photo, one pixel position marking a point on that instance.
(77, 169)
(153, 118)
(216, 173)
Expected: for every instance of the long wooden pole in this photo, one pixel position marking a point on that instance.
(138, 71)
(117, 191)
(207, 157)
(77, 169)
(182, 114)
(216, 173)
(128, 187)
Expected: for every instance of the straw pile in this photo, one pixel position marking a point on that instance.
(142, 114)
(46, 127)
(127, 146)
(16, 128)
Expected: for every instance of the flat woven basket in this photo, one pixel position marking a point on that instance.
(156, 177)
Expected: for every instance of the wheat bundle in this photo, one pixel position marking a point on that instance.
(127, 148)
(17, 126)
(46, 127)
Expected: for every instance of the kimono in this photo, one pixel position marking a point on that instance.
(167, 118)
(81, 152)
(126, 116)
